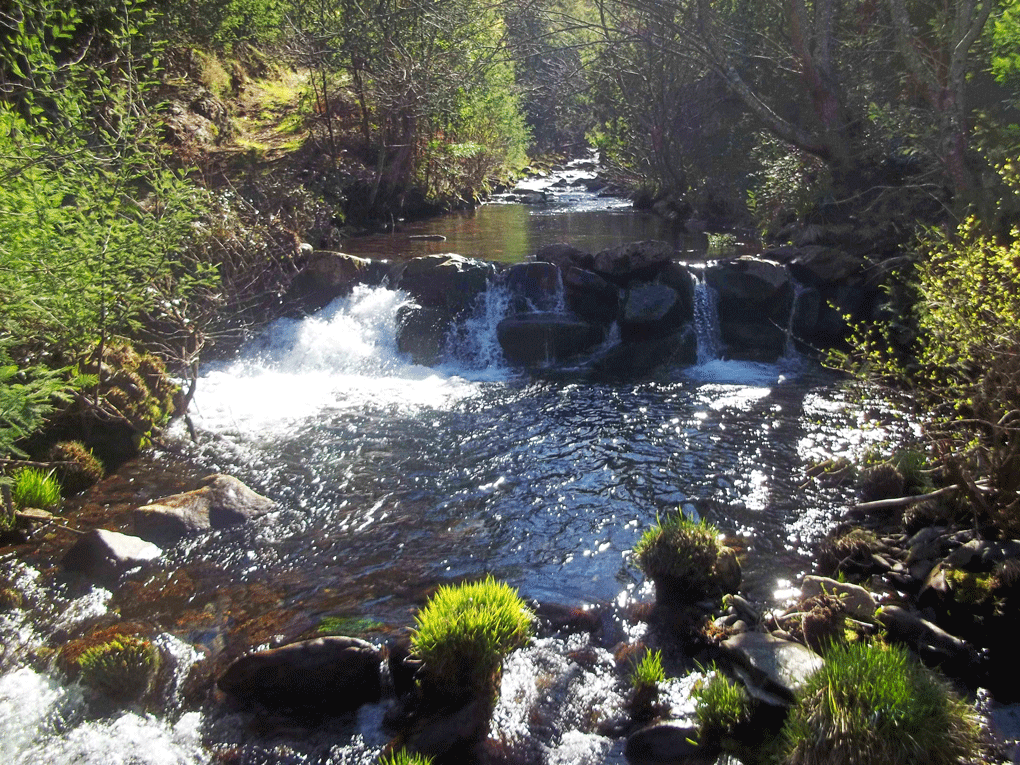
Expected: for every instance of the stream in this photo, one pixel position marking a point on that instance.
(392, 478)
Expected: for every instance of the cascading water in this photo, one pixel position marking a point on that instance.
(706, 320)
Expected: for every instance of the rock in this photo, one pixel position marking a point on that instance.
(634, 358)
(928, 639)
(327, 276)
(754, 300)
(669, 742)
(590, 296)
(752, 340)
(451, 735)
(650, 311)
(537, 339)
(331, 674)
(449, 282)
(219, 502)
(727, 572)
(858, 602)
(564, 256)
(774, 670)
(534, 287)
(816, 265)
(421, 333)
(106, 555)
(677, 276)
(635, 260)
(981, 556)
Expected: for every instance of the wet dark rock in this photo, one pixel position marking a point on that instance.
(533, 286)
(649, 311)
(754, 299)
(930, 641)
(330, 674)
(628, 359)
(773, 670)
(590, 296)
(421, 333)
(327, 276)
(727, 572)
(565, 256)
(982, 556)
(818, 265)
(451, 735)
(106, 555)
(537, 339)
(449, 282)
(677, 276)
(669, 743)
(633, 261)
(219, 502)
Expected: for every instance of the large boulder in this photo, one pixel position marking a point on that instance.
(641, 357)
(534, 287)
(774, 670)
(679, 277)
(331, 674)
(754, 300)
(329, 275)
(565, 256)
(448, 282)
(634, 260)
(590, 296)
(649, 311)
(106, 555)
(421, 333)
(219, 502)
(537, 339)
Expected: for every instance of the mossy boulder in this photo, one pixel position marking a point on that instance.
(121, 665)
(75, 466)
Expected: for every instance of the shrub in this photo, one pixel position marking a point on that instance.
(874, 704)
(645, 677)
(122, 667)
(464, 632)
(35, 488)
(79, 469)
(720, 705)
(679, 556)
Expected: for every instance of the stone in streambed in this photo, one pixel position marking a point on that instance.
(536, 339)
(858, 602)
(773, 669)
(106, 555)
(669, 743)
(331, 674)
(219, 502)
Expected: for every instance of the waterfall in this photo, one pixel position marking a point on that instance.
(790, 352)
(706, 320)
(472, 344)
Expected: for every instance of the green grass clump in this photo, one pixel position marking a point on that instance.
(720, 705)
(681, 554)
(874, 704)
(347, 625)
(645, 677)
(123, 667)
(403, 757)
(35, 488)
(464, 632)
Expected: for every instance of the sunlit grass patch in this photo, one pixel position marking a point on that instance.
(35, 488)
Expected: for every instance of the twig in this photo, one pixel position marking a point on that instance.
(898, 502)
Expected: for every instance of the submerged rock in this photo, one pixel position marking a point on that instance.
(669, 743)
(330, 674)
(535, 339)
(108, 554)
(220, 501)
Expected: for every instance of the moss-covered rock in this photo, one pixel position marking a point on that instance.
(75, 466)
(121, 665)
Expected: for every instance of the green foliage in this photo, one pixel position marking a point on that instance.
(222, 23)
(403, 757)
(682, 551)
(27, 396)
(347, 625)
(123, 667)
(720, 705)
(871, 703)
(464, 632)
(787, 185)
(648, 671)
(35, 488)
(1006, 45)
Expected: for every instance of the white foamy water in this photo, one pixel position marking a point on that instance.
(343, 358)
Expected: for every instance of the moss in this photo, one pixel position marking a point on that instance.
(968, 588)
(881, 481)
(403, 757)
(347, 625)
(464, 632)
(874, 704)
(77, 467)
(854, 544)
(122, 666)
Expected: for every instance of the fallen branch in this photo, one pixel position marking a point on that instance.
(900, 502)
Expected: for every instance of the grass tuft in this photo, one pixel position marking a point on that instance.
(872, 703)
(464, 632)
(403, 757)
(35, 488)
(720, 706)
(123, 667)
(681, 551)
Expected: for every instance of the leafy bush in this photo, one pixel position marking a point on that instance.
(874, 704)
(679, 554)
(464, 632)
(77, 467)
(720, 705)
(35, 488)
(122, 667)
